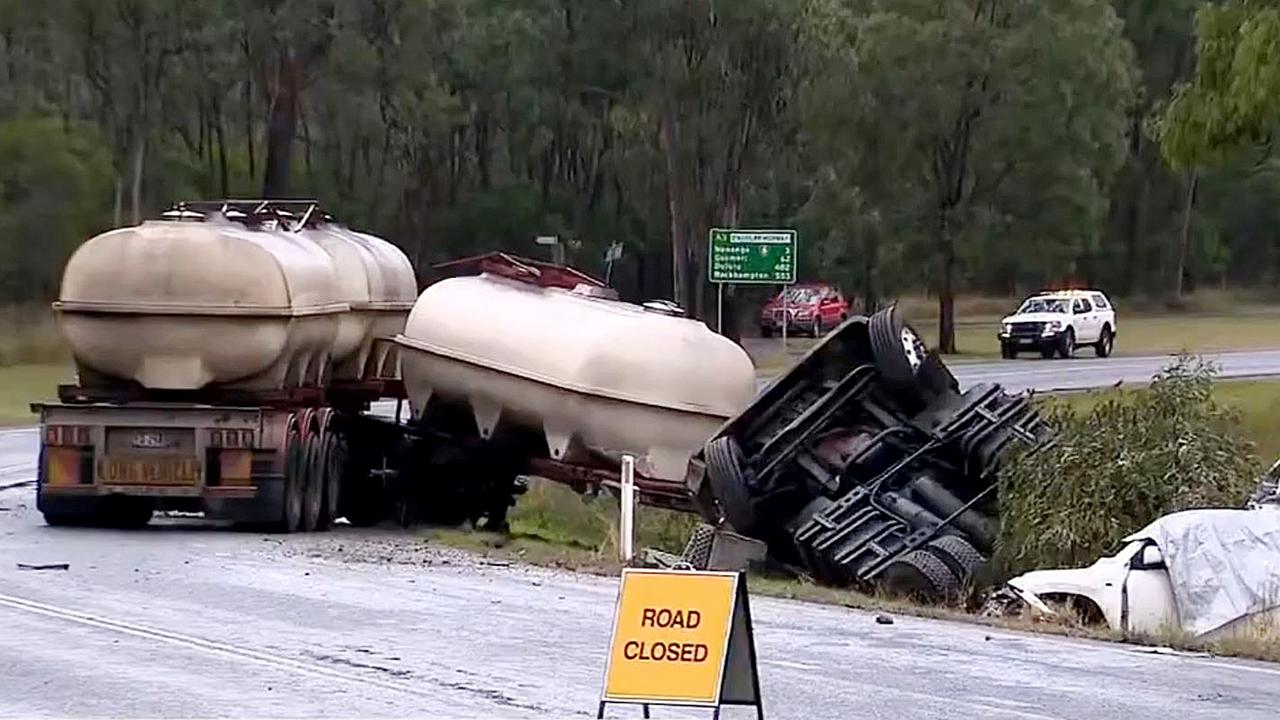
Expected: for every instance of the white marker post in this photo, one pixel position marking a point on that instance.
(786, 318)
(628, 521)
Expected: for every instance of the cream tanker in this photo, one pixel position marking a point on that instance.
(228, 354)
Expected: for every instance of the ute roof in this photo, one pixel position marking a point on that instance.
(1073, 293)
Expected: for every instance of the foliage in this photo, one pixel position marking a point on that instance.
(1127, 460)
(1233, 102)
(947, 146)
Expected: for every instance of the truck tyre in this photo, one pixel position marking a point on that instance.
(920, 574)
(959, 554)
(899, 353)
(729, 483)
(313, 486)
(1105, 343)
(1047, 350)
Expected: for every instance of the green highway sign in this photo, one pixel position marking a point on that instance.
(747, 257)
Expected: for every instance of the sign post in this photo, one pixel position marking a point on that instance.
(682, 638)
(752, 257)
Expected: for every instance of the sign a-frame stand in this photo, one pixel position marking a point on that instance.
(683, 639)
(752, 257)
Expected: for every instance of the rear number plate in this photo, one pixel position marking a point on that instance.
(167, 471)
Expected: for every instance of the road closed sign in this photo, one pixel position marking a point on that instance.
(681, 638)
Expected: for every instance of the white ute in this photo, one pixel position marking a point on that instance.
(1059, 323)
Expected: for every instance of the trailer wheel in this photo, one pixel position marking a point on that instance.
(334, 468)
(294, 485)
(314, 482)
(899, 353)
(729, 483)
(126, 513)
(922, 575)
(959, 554)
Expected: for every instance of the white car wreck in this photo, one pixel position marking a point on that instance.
(1207, 573)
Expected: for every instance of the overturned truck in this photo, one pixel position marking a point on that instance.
(866, 464)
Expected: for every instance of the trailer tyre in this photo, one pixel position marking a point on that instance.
(313, 484)
(335, 466)
(729, 483)
(294, 485)
(920, 574)
(959, 554)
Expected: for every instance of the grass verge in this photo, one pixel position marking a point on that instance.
(21, 385)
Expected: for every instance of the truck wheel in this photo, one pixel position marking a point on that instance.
(920, 574)
(1047, 350)
(959, 554)
(313, 487)
(729, 483)
(899, 353)
(1105, 343)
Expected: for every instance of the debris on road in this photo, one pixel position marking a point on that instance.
(44, 566)
(865, 464)
(18, 484)
(884, 620)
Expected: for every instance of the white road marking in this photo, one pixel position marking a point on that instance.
(208, 646)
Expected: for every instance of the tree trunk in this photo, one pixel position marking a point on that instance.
(1184, 247)
(281, 127)
(675, 210)
(139, 164)
(946, 287)
(117, 207)
(224, 183)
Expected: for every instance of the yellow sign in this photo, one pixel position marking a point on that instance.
(678, 638)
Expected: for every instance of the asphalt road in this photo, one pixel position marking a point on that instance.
(185, 619)
(1086, 372)
(1082, 373)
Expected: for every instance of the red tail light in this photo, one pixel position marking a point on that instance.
(66, 436)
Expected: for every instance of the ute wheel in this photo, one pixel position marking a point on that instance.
(1008, 352)
(729, 483)
(1067, 346)
(920, 574)
(313, 486)
(1047, 351)
(1105, 343)
(817, 328)
(959, 554)
(899, 353)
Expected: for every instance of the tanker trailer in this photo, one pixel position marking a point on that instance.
(224, 354)
(547, 364)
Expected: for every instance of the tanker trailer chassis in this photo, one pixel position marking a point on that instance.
(284, 461)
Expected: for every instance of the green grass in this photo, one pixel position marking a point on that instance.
(1258, 402)
(21, 385)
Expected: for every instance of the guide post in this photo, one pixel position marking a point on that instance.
(752, 257)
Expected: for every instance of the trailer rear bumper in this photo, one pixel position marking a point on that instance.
(257, 503)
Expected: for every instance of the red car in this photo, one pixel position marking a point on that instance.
(811, 309)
